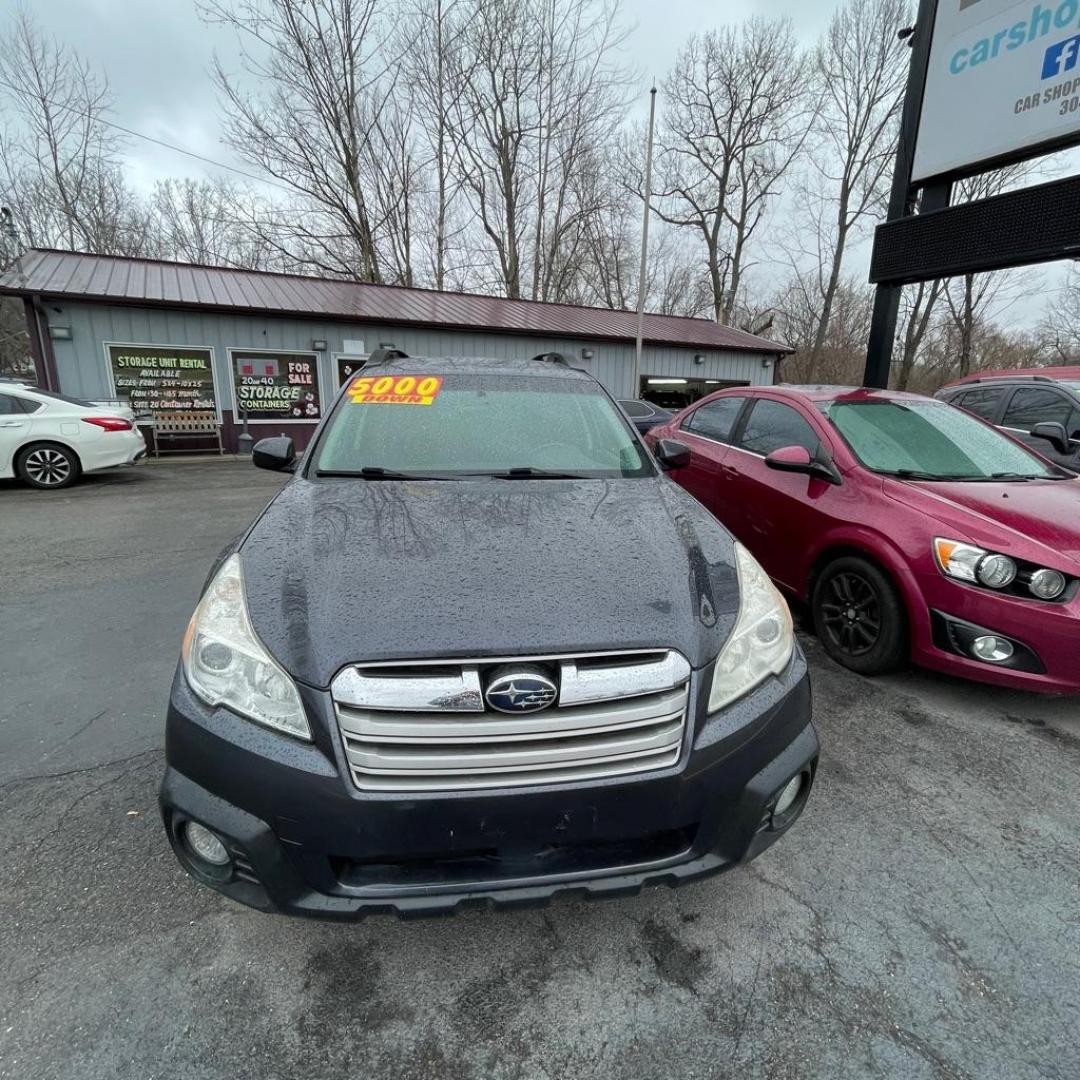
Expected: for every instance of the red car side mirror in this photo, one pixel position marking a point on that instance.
(797, 459)
(790, 459)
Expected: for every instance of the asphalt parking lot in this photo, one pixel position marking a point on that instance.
(922, 920)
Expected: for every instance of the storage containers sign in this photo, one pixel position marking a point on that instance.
(276, 386)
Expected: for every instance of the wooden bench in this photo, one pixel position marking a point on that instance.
(177, 426)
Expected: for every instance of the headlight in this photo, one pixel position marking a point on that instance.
(965, 562)
(761, 641)
(996, 571)
(1047, 584)
(226, 664)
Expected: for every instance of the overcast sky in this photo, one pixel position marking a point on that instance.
(156, 55)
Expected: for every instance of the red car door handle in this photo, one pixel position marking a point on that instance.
(729, 472)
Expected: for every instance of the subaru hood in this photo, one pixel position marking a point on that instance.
(345, 571)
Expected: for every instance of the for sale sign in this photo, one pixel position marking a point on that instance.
(1003, 84)
(276, 386)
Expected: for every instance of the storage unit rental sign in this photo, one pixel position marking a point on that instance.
(163, 378)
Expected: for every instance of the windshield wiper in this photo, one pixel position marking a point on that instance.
(376, 472)
(527, 472)
(915, 474)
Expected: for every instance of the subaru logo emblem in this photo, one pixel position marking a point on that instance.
(520, 691)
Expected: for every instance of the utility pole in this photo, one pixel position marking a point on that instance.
(636, 385)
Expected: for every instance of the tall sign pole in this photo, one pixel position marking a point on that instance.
(636, 385)
(901, 199)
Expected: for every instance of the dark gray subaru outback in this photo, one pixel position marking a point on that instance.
(479, 649)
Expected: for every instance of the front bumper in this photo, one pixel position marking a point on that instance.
(305, 841)
(1046, 631)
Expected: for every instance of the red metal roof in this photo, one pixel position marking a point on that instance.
(149, 282)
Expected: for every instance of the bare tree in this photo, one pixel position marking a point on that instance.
(918, 305)
(429, 36)
(841, 356)
(973, 299)
(737, 110)
(609, 255)
(58, 166)
(861, 69)
(319, 67)
(993, 346)
(1059, 328)
(535, 91)
(214, 221)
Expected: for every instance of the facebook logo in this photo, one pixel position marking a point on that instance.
(1061, 57)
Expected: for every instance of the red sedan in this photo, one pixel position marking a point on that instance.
(913, 530)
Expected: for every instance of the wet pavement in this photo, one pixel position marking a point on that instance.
(921, 920)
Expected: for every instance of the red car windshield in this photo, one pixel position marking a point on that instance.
(930, 440)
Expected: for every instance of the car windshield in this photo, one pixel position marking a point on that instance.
(513, 426)
(930, 440)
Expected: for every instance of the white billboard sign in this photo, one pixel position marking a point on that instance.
(1004, 79)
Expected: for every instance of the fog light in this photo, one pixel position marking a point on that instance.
(991, 648)
(204, 844)
(788, 796)
(1047, 584)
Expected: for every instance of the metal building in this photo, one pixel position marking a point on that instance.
(175, 337)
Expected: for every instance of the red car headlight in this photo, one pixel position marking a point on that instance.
(977, 566)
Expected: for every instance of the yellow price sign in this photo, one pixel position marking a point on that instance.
(394, 389)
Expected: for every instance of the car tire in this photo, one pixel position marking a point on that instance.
(859, 616)
(48, 466)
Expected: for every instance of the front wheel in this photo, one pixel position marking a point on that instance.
(48, 466)
(859, 617)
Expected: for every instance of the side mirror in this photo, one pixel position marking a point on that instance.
(672, 454)
(797, 459)
(277, 454)
(1054, 433)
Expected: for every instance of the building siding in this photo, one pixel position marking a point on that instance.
(82, 368)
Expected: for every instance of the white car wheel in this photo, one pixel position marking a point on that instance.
(48, 466)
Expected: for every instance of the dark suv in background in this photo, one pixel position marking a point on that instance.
(1040, 408)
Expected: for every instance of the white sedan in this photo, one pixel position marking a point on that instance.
(48, 439)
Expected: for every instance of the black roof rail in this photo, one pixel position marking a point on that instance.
(1007, 378)
(552, 358)
(381, 356)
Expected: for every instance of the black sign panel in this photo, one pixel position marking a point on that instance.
(348, 366)
(276, 386)
(163, 378)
